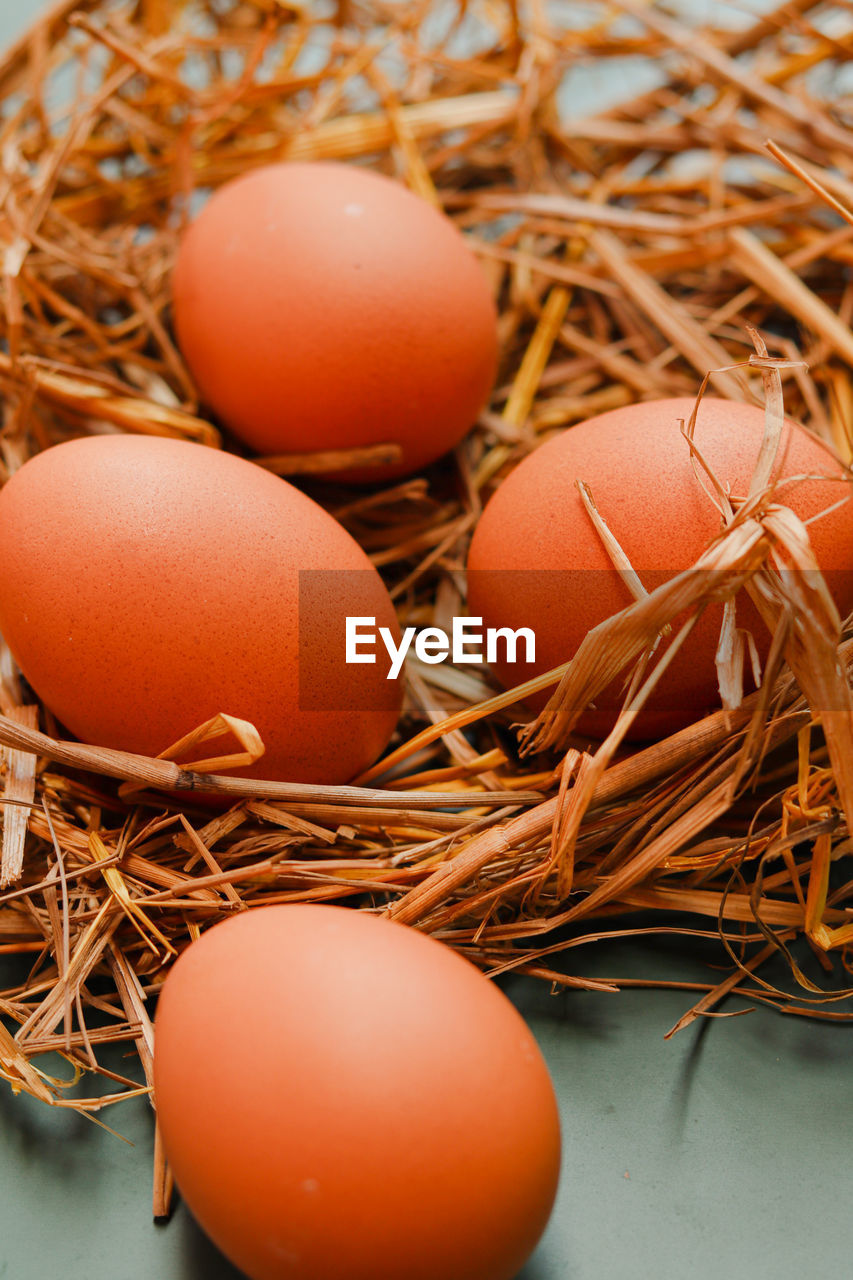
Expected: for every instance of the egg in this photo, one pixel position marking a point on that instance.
(325, 307)
(537, 561)
(147, 584)
(343, 1098)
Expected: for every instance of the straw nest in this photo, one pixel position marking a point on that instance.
(624, 270)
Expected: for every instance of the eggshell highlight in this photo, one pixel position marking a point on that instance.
(147, 584)
(323, 306)
(536, 559)
(343, 1098)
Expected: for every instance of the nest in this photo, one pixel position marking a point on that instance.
(700, 227)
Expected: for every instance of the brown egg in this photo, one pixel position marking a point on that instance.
(147, 584)
(537, 561)
(343, 1098)
(323, 306)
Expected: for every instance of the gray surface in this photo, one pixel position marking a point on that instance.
(15, 17)
(725, 1148)
(724, 1152)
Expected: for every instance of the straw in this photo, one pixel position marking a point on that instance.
(696, 234)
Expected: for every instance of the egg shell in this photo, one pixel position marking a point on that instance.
(343, 1098)
(638, 468)
(323, 306)
(147, 584)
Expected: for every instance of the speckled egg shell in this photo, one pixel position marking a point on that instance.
(343, 1098)
(323, 306)
(638, 467)
(147, 584)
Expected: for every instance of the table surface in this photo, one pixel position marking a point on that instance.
(725, 1147)
(724, 1150)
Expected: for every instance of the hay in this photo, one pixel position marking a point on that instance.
(621, 274)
